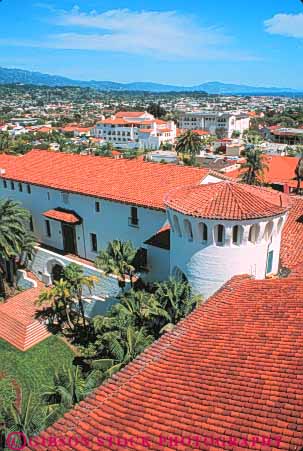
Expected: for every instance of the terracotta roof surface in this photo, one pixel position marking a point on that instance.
(130, 113)
(129, 181)
(18, 325)
(227, 200)
(292, 236)
(230, 372)
(61, 215)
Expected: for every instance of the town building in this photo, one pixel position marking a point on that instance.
(224, 123)
(129, 130)
(217, 228)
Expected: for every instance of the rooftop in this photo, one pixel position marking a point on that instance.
(230, 370)
(102, 177)
(227, 200)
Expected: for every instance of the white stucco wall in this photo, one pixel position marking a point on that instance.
(112, 222)
(208, 266)
(158, 264)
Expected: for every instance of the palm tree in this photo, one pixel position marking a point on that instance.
(77, 282)
(59, 299)
(14, 236)
(118, 259)
(189, 142)
(299, 174)
(142, 308)
(254, 167)
(69, 387)
(176, 298)
(122, 347)
(29, 418)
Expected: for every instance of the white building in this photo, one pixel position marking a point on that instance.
(206, 232)
(213, 121)
(128, 130)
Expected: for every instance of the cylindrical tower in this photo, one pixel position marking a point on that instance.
(224, 229)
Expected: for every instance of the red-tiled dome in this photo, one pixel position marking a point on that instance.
(227, 200)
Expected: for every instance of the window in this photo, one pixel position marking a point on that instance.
(177, 226)
(94, 242)
(65, 197)
(48, 228)
(203, 232)
(237, 234)
(29, 189)
(4, 184)
(219, 234)
(268, 231)
(20, 187)
(12, 185)
(254, 232)
(280, 224)
(188, 230)
(97, 207)
(134, 220)
(48, 195)
(31, 224)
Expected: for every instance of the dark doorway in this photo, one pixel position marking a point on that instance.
(57, 273)
(69, 239)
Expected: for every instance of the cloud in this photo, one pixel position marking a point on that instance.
(158, 34)
(290, 25)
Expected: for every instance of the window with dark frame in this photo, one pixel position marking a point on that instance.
(29, 189)
(94, 242)
(4, 184)
(134, 220)
(220, 233)
(97, 206)
(48, 228)
(31, 224)
(20, 187)
(12, 185)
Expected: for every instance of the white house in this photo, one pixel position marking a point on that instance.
(213, 121)
(188, 222)
(135, 129)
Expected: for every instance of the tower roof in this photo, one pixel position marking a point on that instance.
(227, 200)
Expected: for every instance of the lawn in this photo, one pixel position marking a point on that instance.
(33, 369)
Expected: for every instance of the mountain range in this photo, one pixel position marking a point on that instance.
(20, 76)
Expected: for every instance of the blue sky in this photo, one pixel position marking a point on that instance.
(183, 42)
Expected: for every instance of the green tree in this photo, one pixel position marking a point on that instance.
(253, 167)
(177, 299)
(189, 143)
(14, 236)
(69, 387)
(118, 259)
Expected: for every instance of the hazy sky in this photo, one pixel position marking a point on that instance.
(183, 42)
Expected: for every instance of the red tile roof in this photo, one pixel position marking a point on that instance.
(202, 132)
(129, 114)
(231, 371)
(281, 170)
(227, 200)
(129, 181)
(62, 215)
(292, 236)
(18, 325)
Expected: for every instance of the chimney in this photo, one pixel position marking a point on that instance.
(2, 171)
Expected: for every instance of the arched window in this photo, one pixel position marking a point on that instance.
(188, 230)
(177, 226)
(254, 233)
(203, 232)
(219, 234)
(280, 224)
(237, 234)
(268, 230)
